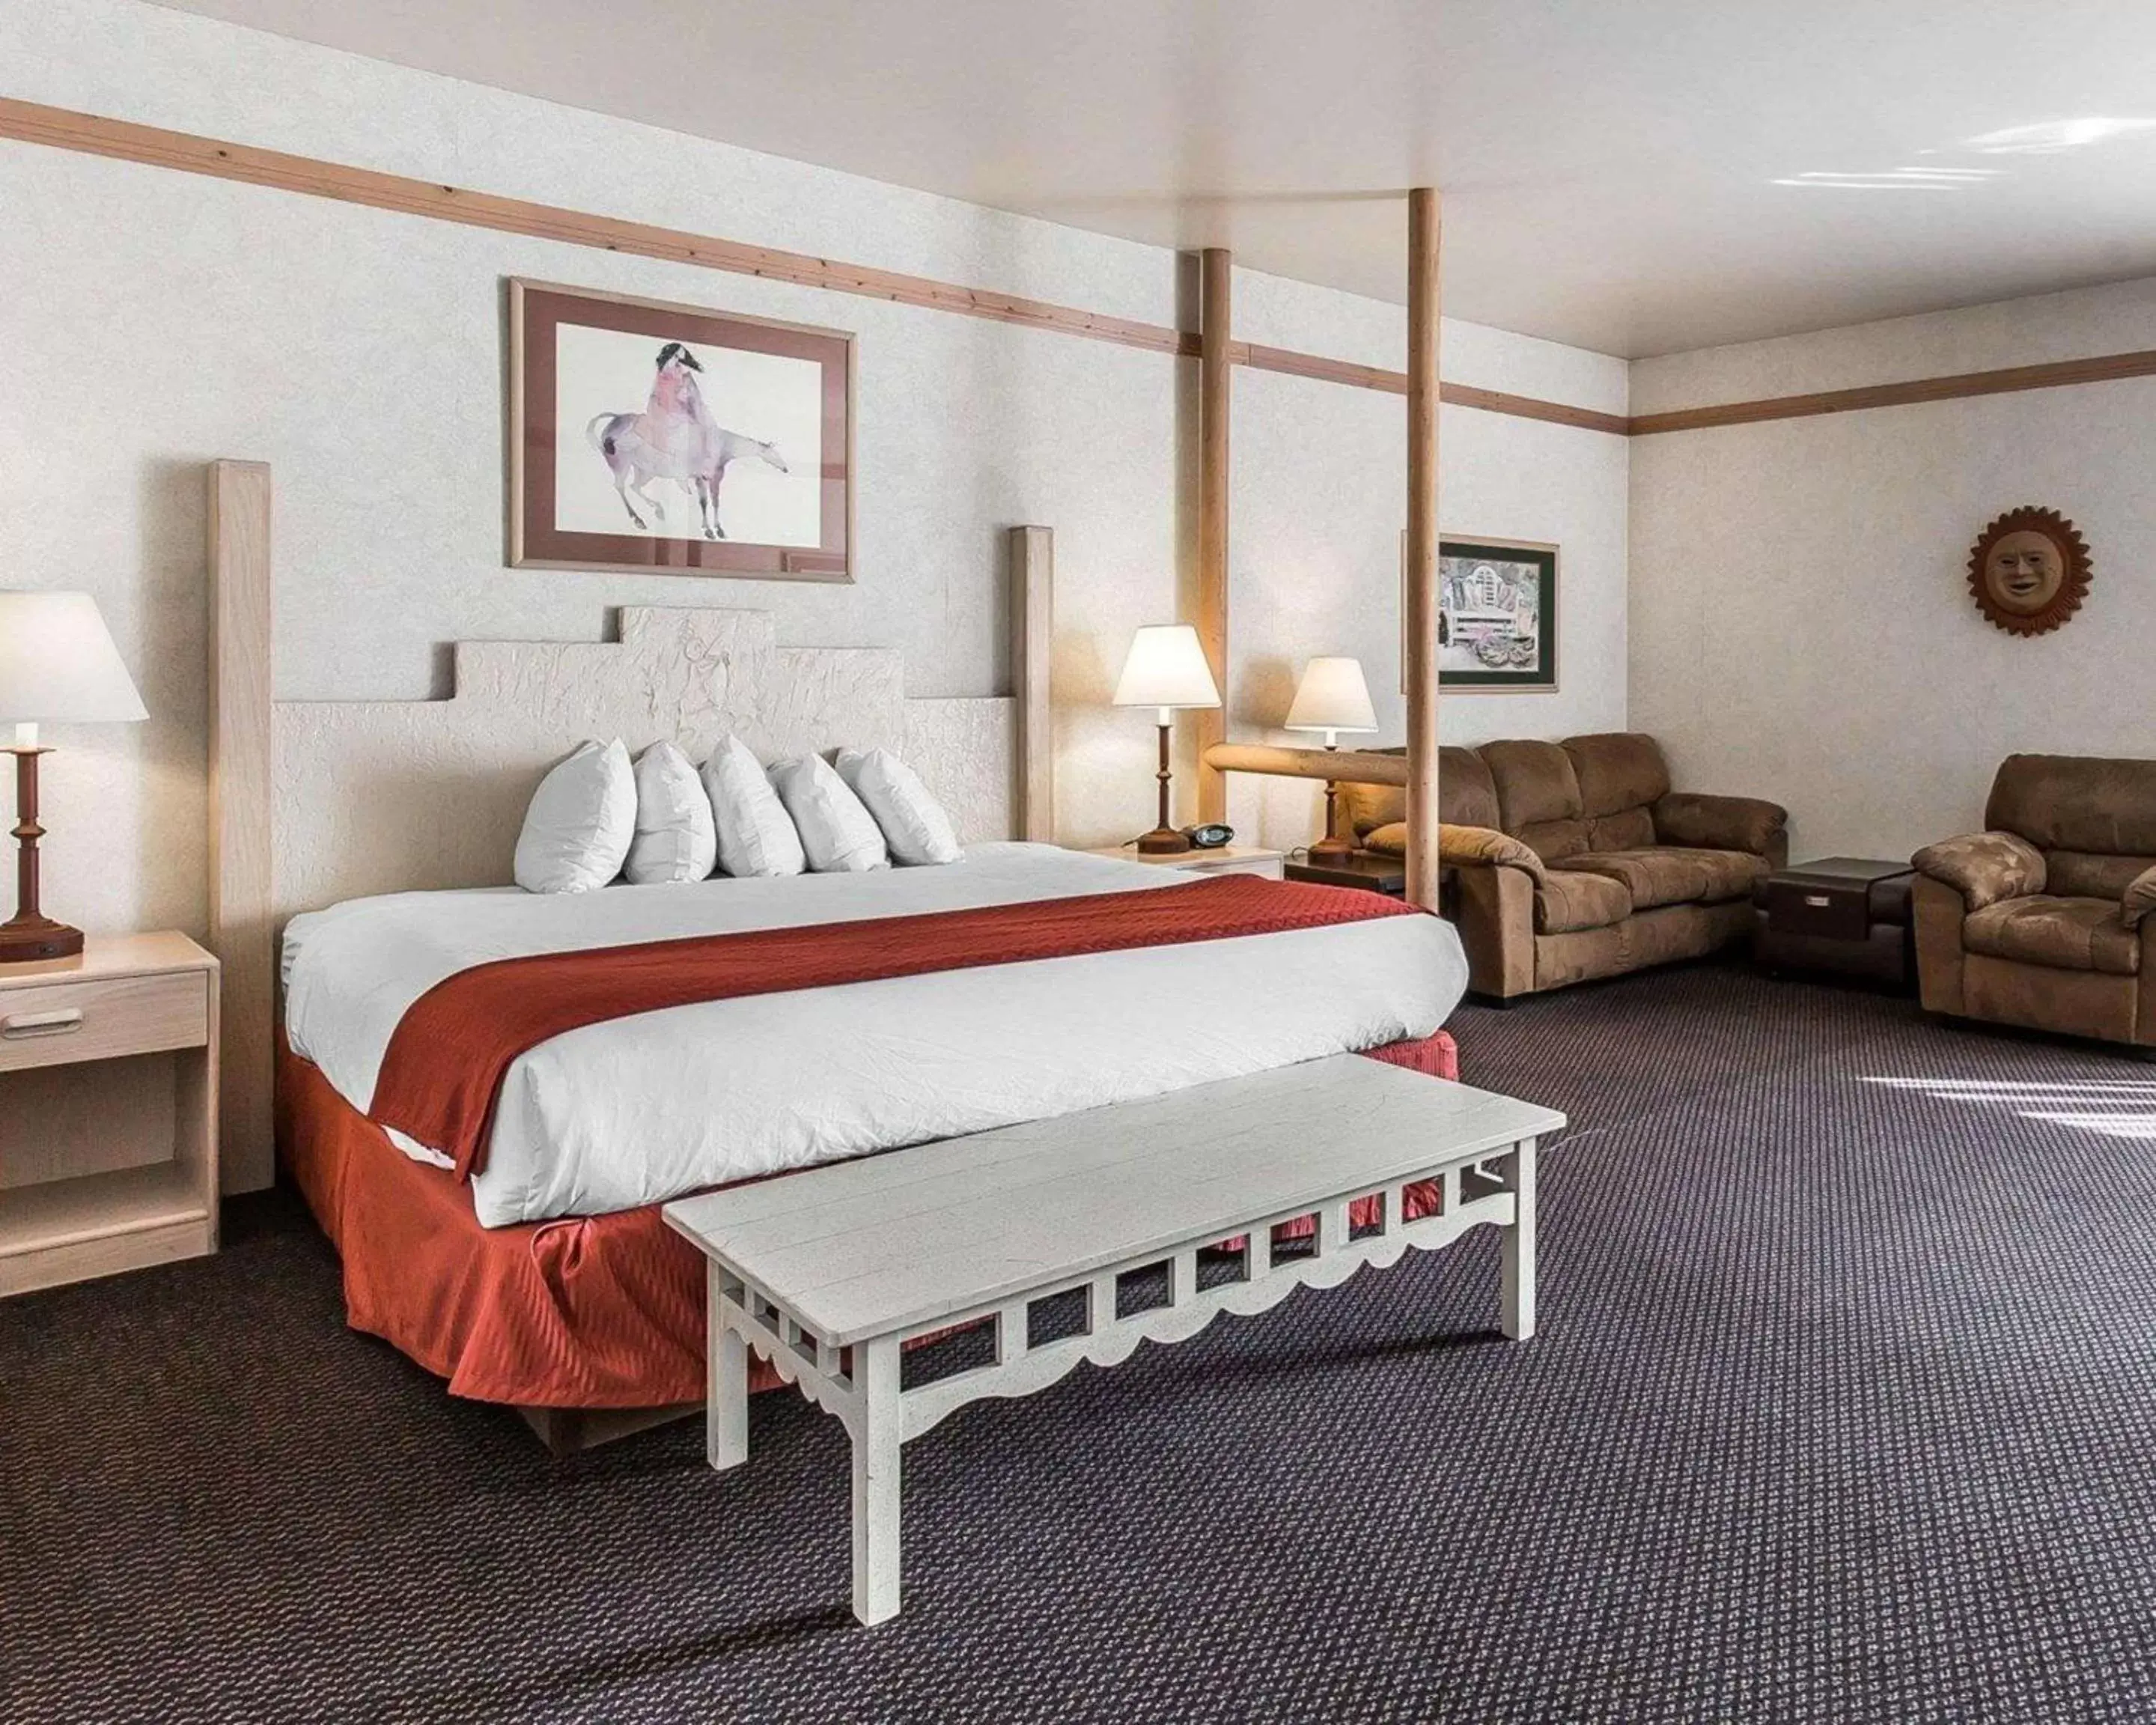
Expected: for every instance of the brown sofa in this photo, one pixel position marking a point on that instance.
(1565, 861)
(2048, 920)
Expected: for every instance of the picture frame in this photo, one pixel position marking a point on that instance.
(1497, 607)
(653, 438)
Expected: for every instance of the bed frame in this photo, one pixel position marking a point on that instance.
(315, 801)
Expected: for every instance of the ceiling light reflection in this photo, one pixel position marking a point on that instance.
(2049, 136)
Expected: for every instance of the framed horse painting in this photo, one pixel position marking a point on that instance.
(669, 439)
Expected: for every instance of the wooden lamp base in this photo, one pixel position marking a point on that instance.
(1164, 840)
(24, 940)
(30, 934)
(1332, 850)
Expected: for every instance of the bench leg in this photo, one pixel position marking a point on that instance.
(876, 1443)
(1518, 1168)
(725, 1392)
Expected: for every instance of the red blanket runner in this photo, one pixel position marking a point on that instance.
(450, 1051)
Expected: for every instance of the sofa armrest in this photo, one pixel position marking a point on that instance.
(2138, 903)
(1488, 846)
(1937, 911)
(1985, 868)
(1496, 920)
(1458, 846)
(1748, 823)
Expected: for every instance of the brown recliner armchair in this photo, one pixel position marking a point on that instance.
(2047, 920)
(1569, 862)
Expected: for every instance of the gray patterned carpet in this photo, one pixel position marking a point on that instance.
(1844, 1409)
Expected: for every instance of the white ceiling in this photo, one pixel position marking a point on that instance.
(1616, 171)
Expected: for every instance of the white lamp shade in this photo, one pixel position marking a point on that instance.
(58, 662)
(1166, 667)
(1332, 697)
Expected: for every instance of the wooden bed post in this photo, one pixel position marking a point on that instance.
(1421, 619)
(242, 931)
(1216, 268)
(1033, 635)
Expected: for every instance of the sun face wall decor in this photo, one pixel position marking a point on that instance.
(2029, 571)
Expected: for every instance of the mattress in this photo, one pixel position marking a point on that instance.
(637, 1109)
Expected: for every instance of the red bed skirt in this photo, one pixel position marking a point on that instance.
(593, 1311)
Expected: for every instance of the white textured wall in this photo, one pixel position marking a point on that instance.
(1320, 479)
(1801, 624)
(151, 321)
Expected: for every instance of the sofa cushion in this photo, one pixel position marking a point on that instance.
(1617, 770)
(2084, 873)
(1628, 829)
(2076, 802)
(1535, 783)
(1465, 796)
(1570, 900)
(1553, 840)
(2060, 933)
(1669, 875)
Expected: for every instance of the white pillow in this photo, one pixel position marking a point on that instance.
(914, 824)
(756, 834)
(840, 836)
(675, 838)
(578, 829)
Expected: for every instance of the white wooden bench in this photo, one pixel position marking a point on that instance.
(827, 1273)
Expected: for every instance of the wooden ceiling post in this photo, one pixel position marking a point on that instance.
(1420, 621)
(1216, 268)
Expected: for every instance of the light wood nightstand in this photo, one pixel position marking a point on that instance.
(1226, 859)
(107, 1111)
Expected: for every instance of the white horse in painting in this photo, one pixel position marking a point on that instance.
(674, 438)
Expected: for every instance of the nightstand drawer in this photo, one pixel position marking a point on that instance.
(52, 1024)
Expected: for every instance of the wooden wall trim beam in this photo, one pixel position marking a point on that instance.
(2006, 381)
(30, 122)
(1215, 393)
(1456, 395)
(185, 152)
(242, 920)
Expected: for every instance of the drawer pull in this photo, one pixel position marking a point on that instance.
(1817, 901)
(41, 1023)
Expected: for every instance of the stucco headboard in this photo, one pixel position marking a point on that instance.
(313, 802)
(391, 796)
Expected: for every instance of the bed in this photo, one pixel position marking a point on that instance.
(545, 1281)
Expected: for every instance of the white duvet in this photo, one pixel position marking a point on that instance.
(642, 1109)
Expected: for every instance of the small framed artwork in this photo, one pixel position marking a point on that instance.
(1496, 620)
(669, 439)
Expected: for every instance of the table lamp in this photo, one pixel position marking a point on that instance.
(1333, 697)
(1166, 669)
(58, 662)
